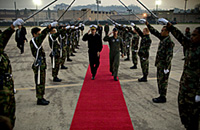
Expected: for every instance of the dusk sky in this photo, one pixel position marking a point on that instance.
(166, 4)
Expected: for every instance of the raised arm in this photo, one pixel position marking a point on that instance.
(178, 35)
(153, 31)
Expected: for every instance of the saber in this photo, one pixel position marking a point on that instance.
(111, 19)
(82, 16)
(128, 9)
(39, 11)
(155, 16)
(38, 75)
(66, 10)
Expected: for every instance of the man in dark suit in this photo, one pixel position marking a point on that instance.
(95, 47)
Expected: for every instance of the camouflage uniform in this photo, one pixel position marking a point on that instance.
(7, 98)
(39, 62)
(55, 52)
(134, 48)
(127, 42)
(115, 45)
(144, 51)
(73, 40)
(163, 60)
(63, 47)
(189, 83)
(68, 40)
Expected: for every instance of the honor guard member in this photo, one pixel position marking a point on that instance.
(95, 46)
(134, 48)
(82, 28)
(188, 35)
(127, 38)
(7, 98)
(144, 51)
(189, 92)
(39, 65)
(163, 60)
(115, 43)
(106, 29)
(55, 53)
(68, 42)
(63, 48)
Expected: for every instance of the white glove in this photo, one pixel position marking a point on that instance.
(142, 21)
(132, 24)
(135, 50)
(197, 98)
(162, 21)
(166, 71)
(54, 24)
(18, 22)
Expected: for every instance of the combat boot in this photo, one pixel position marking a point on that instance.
(127, 59)
(56, 79)
(68, 59)
(42, 102)
(143, 79)
(115, 78)
(159, 99)
(72, 54)
(63, 67)
(93, 78)
(133, 67)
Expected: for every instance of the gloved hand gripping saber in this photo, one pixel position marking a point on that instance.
(154, 15)
(65, 11)
(128, 9)
(39, 10)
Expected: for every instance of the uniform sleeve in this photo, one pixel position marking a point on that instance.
(121, 46)
(136, 42)
(4, 38)
(154, 31)
(100, 45)
(42, 36)
(198, 72)
(85, 37)
(169, 54)
(106, 38)
(184, 41)
(138, 31)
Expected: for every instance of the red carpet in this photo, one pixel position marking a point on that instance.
(101, 105)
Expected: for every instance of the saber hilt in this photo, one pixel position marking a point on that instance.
(39, 11)
(155, 16)
(129, 9)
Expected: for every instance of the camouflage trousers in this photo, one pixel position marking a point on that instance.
(55, 70)
(134, 58)
(73, 46)
(114, 63)
(7, 101)
(127, 49)
(162, 81)
(144, 65)
(64, 55)
(189, 110)
(40, 88)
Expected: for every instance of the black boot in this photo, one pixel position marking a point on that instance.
(72, 54)
(93, 78)
(143, 79)
(159, 100)
(68, 59)
(115, 78)
(63, 67)
(42, 102)
(133, 67)
(127, 59)
(56, 79)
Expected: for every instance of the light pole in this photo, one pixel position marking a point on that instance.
(158, 2)
(37, 3)
(98, 2)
